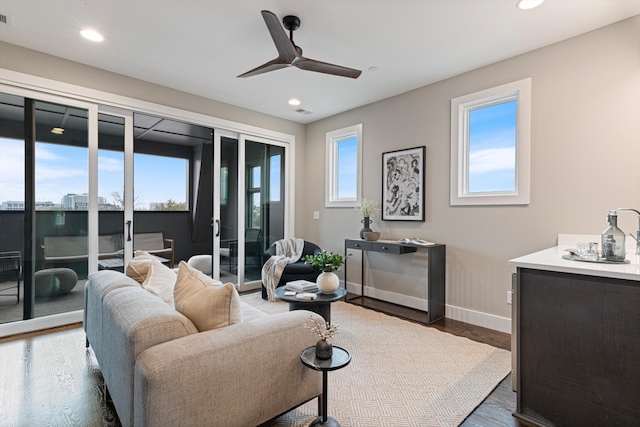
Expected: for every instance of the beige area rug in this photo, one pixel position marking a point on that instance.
(401, 373)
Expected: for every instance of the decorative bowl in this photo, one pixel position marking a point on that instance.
(371, 236)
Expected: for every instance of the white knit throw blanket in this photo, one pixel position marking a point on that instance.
(288, 251)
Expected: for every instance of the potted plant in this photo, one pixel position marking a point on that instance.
(328, 263)
(324, 346)
(366, 209)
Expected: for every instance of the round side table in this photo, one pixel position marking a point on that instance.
(320, 305)
(340, 358)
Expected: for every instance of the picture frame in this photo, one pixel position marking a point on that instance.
(403, 183)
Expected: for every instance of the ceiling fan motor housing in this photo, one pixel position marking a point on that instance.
(291, 22)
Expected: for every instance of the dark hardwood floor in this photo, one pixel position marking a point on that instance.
(48, 378)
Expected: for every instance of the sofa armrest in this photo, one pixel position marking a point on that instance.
(239, 375)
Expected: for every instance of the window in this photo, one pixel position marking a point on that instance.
(490, 133)
(160, 183)
(274, 177)
(344, 154)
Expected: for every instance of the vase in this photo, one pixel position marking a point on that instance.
(367, 222)
(328, 282)
(324, 349)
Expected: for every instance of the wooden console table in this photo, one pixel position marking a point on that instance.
(436, 264)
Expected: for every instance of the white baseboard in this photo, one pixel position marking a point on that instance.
(477, 318)
(40, 323)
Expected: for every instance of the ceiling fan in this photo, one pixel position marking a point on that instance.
(291, 55)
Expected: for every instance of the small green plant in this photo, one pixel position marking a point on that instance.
(325, 261)
(329, 331)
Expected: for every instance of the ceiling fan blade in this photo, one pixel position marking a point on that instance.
(286, 50)
(273, 65)
(324, 67)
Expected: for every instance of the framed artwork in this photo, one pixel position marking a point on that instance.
(403, 185)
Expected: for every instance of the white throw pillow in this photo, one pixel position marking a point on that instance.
(160, 281)
(208, 303)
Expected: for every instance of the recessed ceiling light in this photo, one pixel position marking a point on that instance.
(57, 131)
(91, 35)
(528, 4)
(294, 101)
(373, 68)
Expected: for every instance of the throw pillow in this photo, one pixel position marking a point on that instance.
(208, 303)
(160, 281)
(138, 267)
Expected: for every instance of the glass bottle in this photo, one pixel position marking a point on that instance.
(613, 240)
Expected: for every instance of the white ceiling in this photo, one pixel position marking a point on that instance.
(200, 46)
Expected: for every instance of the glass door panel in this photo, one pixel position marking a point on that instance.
(44, 182)
(264, 207)
(12, 183)
(228, 217)
(111, 192)
(61, 207)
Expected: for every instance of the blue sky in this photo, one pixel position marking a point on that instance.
(347, 165)
(492, 150)
(63, 169)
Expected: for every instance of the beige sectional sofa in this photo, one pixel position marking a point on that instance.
(160, 371)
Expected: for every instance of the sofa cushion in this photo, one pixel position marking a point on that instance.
(208, 303)
(160, 281)
(138, 267)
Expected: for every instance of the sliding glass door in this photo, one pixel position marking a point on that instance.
(44, 216)
(68, 169)
(249, 213)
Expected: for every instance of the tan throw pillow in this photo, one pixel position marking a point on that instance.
(138, 267)
(206, 302)
(160, 281)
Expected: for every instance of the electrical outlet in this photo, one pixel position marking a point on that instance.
(316, 214)
(509, 297)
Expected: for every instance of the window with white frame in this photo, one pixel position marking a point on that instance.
(344, 170)
(490, 133)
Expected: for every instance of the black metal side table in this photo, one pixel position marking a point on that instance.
(341, 358)
(320, 305)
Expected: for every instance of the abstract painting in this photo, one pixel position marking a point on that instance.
(403, 184)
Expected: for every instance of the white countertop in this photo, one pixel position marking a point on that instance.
(551, 260)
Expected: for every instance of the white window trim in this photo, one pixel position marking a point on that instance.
(331, 190)
(459, 196)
